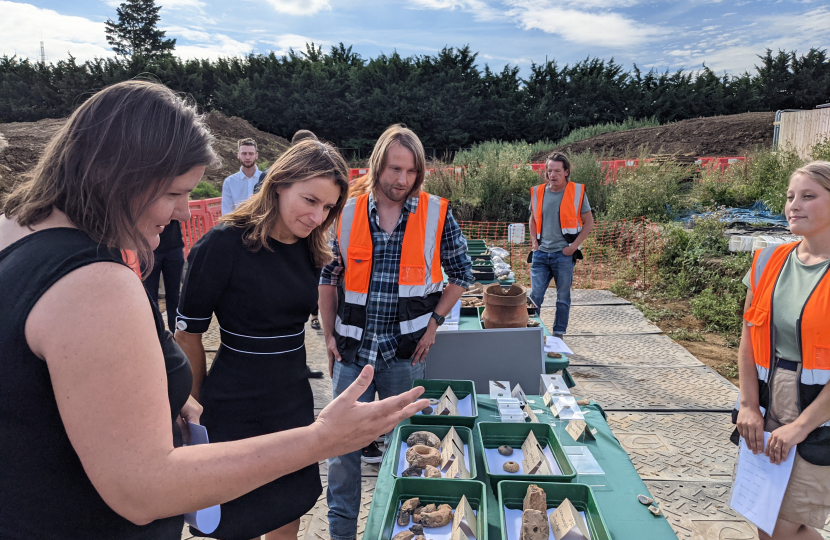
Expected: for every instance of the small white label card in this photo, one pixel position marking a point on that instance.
(458, 534)
(567, 524)
(499, 389)
(534, 460)
(566, 408)
(465, 519)
(547, 399)
(448, 404)
(458, 469)
(579, 430)
(519, 394)
(452, 447)
(531, 415)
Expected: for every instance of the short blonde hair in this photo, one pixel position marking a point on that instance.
(397, 133)
(818, 171)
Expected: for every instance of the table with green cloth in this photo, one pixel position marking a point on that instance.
(625, 517)
(552, 365)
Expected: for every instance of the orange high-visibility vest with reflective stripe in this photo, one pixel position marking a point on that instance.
(570, 210)
(420, 276)
(814, 342)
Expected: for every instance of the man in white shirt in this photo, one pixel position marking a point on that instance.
(239, 187)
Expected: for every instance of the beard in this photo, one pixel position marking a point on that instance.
(393, 194)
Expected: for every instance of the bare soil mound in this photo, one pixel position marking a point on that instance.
(23, 143)
(732, 135)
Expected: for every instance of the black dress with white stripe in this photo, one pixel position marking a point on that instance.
(258, 382)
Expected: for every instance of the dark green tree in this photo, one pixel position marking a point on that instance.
(136, 34)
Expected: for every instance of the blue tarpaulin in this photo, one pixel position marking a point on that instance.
(756, 214)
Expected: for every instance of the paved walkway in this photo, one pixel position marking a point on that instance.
(669, 411)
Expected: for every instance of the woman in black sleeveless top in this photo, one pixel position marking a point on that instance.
(92, 387)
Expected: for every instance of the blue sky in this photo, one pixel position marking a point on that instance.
(725, 35)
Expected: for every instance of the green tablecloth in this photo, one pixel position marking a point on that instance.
(625, 516)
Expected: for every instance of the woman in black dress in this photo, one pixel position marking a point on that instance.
(258, 272)
(93, 388)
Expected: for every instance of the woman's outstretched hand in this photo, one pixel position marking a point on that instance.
(347, 424)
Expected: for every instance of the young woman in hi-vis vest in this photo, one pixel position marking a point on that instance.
(784, 357)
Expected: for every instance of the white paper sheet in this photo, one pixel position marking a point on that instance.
(759, 486)
(513, 522)
(433, 533)
(496, 461)
(207, 519)
(555, 344)
(403, 464)
(465, 406)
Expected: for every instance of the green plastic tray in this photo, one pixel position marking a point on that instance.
(434, 388)
(512, 493)
(405, 430)
(495, 434)
(482, 263)
(435, 491)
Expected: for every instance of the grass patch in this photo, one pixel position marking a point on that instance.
(580, 134)
(205, 190)
(653, 314)
(684, 334)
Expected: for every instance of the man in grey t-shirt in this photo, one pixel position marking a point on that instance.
(560, 236)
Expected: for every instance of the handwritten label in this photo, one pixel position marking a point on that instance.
(458, 534)
(452, 447)
(578, 429)
(448, 404)
(547, 399)
(519, 394)
(567, 524)
(458, 469)
(464, 519)
(534, 460)
(531, 415)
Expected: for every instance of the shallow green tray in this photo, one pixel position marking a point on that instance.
(482, 263)
(512, 493)
(434, 388)
(495, 434)
(435, 491)
(405, 430)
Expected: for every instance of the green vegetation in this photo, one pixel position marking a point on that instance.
(205, 190)
(521, 151)
(580, 134)
(821, 150)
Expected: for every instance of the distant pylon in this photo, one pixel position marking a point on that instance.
(42, 53)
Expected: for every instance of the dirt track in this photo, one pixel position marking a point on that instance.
(732, 135)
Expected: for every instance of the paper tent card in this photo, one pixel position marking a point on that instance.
(448, 404)
(567, 524)
(452, 448)
(464, 519)
(534, 460)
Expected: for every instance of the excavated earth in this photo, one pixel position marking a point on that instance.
(732, 135)
(22, 143)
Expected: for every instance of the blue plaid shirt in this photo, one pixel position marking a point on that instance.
(383, 332)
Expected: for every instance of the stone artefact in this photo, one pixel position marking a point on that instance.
(416, 515)
(426, 410)
(432, 472)
(511, 467)
(412, 471)
(583, 402)
(654, 510)
(417, 528)
(405, 513)
(422, 455)
(433, 401)
(404, 535)
(554, 355)
(506, 450)
(410, 505)
(437, 518)
(424, 437)
(645, 500)
(534, 525)
(419, 537)
(535, 499)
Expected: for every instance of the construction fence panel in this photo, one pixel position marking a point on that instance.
(623, 251)
(801, 130)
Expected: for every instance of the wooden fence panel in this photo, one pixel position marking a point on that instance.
(802, 129)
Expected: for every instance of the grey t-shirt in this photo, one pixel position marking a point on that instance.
(794, 286)
(552, 239)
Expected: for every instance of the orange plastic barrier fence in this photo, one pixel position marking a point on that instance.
(204, 214)
(616, 251)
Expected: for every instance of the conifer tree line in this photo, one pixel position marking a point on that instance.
(447, 98)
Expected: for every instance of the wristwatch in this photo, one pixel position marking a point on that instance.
(438, 318)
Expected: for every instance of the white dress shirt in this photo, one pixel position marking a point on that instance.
(238, 188)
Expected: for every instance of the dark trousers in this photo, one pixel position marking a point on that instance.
(169, 262)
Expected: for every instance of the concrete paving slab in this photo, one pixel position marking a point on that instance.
(655, 388)
(586, 297)
(318, 527)
(699, 510)
(680, 445)
(628, 350)
(603, 321)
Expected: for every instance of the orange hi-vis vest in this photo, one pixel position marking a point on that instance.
(570, 210)
(420, 279)
(813, 341)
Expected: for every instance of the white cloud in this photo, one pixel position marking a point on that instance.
(22, 26)
(602, 28)
(215, 46)
(299, 7)
(284, 42)
(481, 10)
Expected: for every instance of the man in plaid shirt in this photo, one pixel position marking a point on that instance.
(396, 174)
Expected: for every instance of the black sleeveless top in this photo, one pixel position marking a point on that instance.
(44, 491)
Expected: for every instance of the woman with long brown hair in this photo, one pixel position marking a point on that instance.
(91, 383)
(258, 273)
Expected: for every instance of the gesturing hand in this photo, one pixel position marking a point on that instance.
(427, 341)
(750, 426)
(346, 424)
